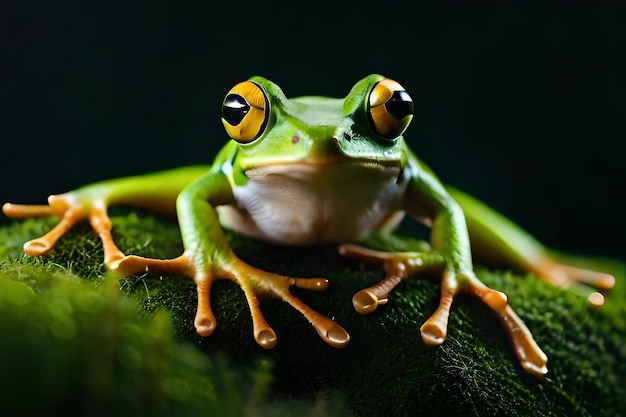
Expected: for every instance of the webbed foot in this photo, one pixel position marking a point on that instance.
(74, 208)
(71, 210)
(582, 281)
(399, 266)
(255, 284)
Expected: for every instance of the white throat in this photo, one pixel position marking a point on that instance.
(306, 204)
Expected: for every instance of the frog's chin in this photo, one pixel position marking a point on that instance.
(308, 203)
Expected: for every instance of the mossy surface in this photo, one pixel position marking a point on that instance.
(75, 345)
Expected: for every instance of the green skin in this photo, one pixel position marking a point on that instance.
(317, 172)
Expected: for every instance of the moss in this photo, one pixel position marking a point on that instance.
(386, 369)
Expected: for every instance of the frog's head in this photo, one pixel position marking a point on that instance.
(366, 126)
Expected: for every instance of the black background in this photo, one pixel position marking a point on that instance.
(523, 105)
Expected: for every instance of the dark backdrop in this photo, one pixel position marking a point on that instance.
(522, 106)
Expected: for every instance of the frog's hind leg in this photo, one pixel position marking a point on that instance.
(71, 208)
(497, 240)
(155, 192)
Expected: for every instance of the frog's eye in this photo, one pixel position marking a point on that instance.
(389, 108)
(245, 112)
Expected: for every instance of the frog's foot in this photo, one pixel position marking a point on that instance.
(528, 352)
(399, 266)
(254, 283)
(71, 210)
(582, 281)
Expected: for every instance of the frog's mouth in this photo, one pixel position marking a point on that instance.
(348, 151)
(332, 162)
(330, 170)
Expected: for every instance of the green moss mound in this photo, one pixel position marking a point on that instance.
(73, 342)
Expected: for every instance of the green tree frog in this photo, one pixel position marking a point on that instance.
(313, 170)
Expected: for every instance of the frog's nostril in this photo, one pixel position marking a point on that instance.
(346, 137)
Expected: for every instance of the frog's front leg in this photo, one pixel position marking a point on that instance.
(254, 282)
(208, 257)
(450, 258)
(399, 266)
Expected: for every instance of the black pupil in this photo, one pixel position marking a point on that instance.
(235, 109)
(399, 105)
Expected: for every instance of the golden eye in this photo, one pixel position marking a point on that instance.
(390, 108)
(245, 112)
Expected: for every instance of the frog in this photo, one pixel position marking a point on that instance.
(317, 170)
